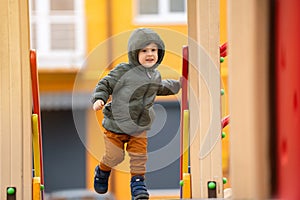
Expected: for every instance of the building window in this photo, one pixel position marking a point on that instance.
(160, 12)
(57, 32)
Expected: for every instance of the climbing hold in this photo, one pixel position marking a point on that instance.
(11, 190)
(225, 121)
(211, 185)
(223, 50)
(42, 187)
(223, 134)
(224, 180)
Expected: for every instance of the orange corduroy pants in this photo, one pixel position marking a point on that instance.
(115, 151)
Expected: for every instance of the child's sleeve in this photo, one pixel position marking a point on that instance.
(106, 85)
(169, 87)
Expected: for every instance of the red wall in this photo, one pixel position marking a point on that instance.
(288, 97)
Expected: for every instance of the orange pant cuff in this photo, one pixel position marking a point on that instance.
(104, 167)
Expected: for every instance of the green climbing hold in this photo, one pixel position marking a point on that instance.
(222, 59)
(222, 92)
(42, 187)
(223, 134)
(11, 191)
(212, 185)
(181, 182)
(224, 180)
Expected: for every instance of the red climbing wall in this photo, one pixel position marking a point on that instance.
(288, 97)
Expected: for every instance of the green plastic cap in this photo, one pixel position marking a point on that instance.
(11, 191)
(223, 134)
(222, 59)
(211, 185)
(222, 92)
(181, 182)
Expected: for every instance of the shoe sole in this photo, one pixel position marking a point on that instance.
(101, 192)
(141, 197)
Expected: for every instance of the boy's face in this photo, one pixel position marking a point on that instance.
(148, 56)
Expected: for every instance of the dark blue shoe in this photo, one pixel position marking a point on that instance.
(101, 180)
(138, 188)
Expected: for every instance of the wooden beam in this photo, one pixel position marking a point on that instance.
(204, 98)
(248, 27)
(15, 100)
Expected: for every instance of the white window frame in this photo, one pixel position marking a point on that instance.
(164, 16)
(51, 59)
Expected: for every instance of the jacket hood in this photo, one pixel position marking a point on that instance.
(140, 38)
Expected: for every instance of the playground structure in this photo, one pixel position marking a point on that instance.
(251, 123)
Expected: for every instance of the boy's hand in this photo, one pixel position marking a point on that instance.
(98, 105)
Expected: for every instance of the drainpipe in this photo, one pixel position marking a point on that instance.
(109, 32)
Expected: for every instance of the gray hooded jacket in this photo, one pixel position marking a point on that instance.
(133, 88)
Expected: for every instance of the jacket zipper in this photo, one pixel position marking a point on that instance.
(144, 97)
(148, 74)
(150, 77)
